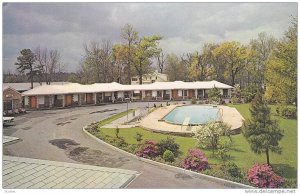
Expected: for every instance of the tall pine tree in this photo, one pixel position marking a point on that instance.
(26, 64)
(262, 132)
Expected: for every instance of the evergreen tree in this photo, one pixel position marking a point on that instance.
(262, 132)
(214, 95)
(26, 64)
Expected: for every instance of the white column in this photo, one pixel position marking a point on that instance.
(64, 96)
(196, 94)
(95, 98)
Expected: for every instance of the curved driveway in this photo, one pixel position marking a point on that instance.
(57, 135)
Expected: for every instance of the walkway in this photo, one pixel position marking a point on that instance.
(27, 173)
(125, 122)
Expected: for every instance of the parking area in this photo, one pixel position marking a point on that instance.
(57, 135)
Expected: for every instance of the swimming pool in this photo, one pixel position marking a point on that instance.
(192, 115)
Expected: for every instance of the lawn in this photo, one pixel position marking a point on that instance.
(112, 118)
(241, 154)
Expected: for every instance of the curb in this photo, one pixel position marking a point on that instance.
(224, 182)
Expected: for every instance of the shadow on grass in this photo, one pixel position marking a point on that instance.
(285, 170)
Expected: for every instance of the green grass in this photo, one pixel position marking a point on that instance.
(285, 163)
(241, 154)
(112, 118)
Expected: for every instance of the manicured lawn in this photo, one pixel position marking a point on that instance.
(241, 154)
(115, 117)
(285, 163)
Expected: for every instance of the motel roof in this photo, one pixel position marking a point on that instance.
(21, 87)
(75, 88)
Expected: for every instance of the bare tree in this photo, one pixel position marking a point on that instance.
(161, 61)
(97, 63)
(131, 37)
(49, 62)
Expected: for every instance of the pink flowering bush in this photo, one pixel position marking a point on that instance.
(195, 160)
(263, 176)
(149, 149)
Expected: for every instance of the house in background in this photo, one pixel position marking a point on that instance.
(12, 99)
(150, 78)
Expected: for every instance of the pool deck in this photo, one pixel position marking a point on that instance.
(154, 121)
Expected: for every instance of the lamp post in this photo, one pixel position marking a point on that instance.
(127, 110)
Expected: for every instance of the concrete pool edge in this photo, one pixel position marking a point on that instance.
(224, 182)
(155, 122)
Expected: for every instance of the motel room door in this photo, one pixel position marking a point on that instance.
(33, 102)
(174, 94)
(69, 100)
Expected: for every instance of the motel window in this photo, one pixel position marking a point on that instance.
(159, 93)
(134, 79)
(184, 92)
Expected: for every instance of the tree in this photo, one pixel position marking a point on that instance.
(262, 132)
(161, 62)
(97, 64)
(200, 67)
(209, 135)
(26, 64)
(262, 46)
(281, 75)
(175, 69)
(146, 49)
(120, 61)
(214, 95)
(131, 37)
(49, 61)
(234, 58)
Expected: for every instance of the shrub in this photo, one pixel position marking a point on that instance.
(209, 135)
(234, 100)
(223, 149)
(194, 101)
(195, 160)
(168, 156)
(232, 169)
(138, 137)
(290, 183)
(117, 131)
(118, 142)
(132, 148)
(289, 112)
(214, 95)
(168, 144)
(249, 92)
(148, 149)
(262, 176)
(92, 128)
(222, 172)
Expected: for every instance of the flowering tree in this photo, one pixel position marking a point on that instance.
(195, 160)
(148, 149)
(209, 134)
(262, 176)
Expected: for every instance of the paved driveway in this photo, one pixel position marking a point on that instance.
(57, 135)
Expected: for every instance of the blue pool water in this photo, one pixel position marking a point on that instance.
(198, 114)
